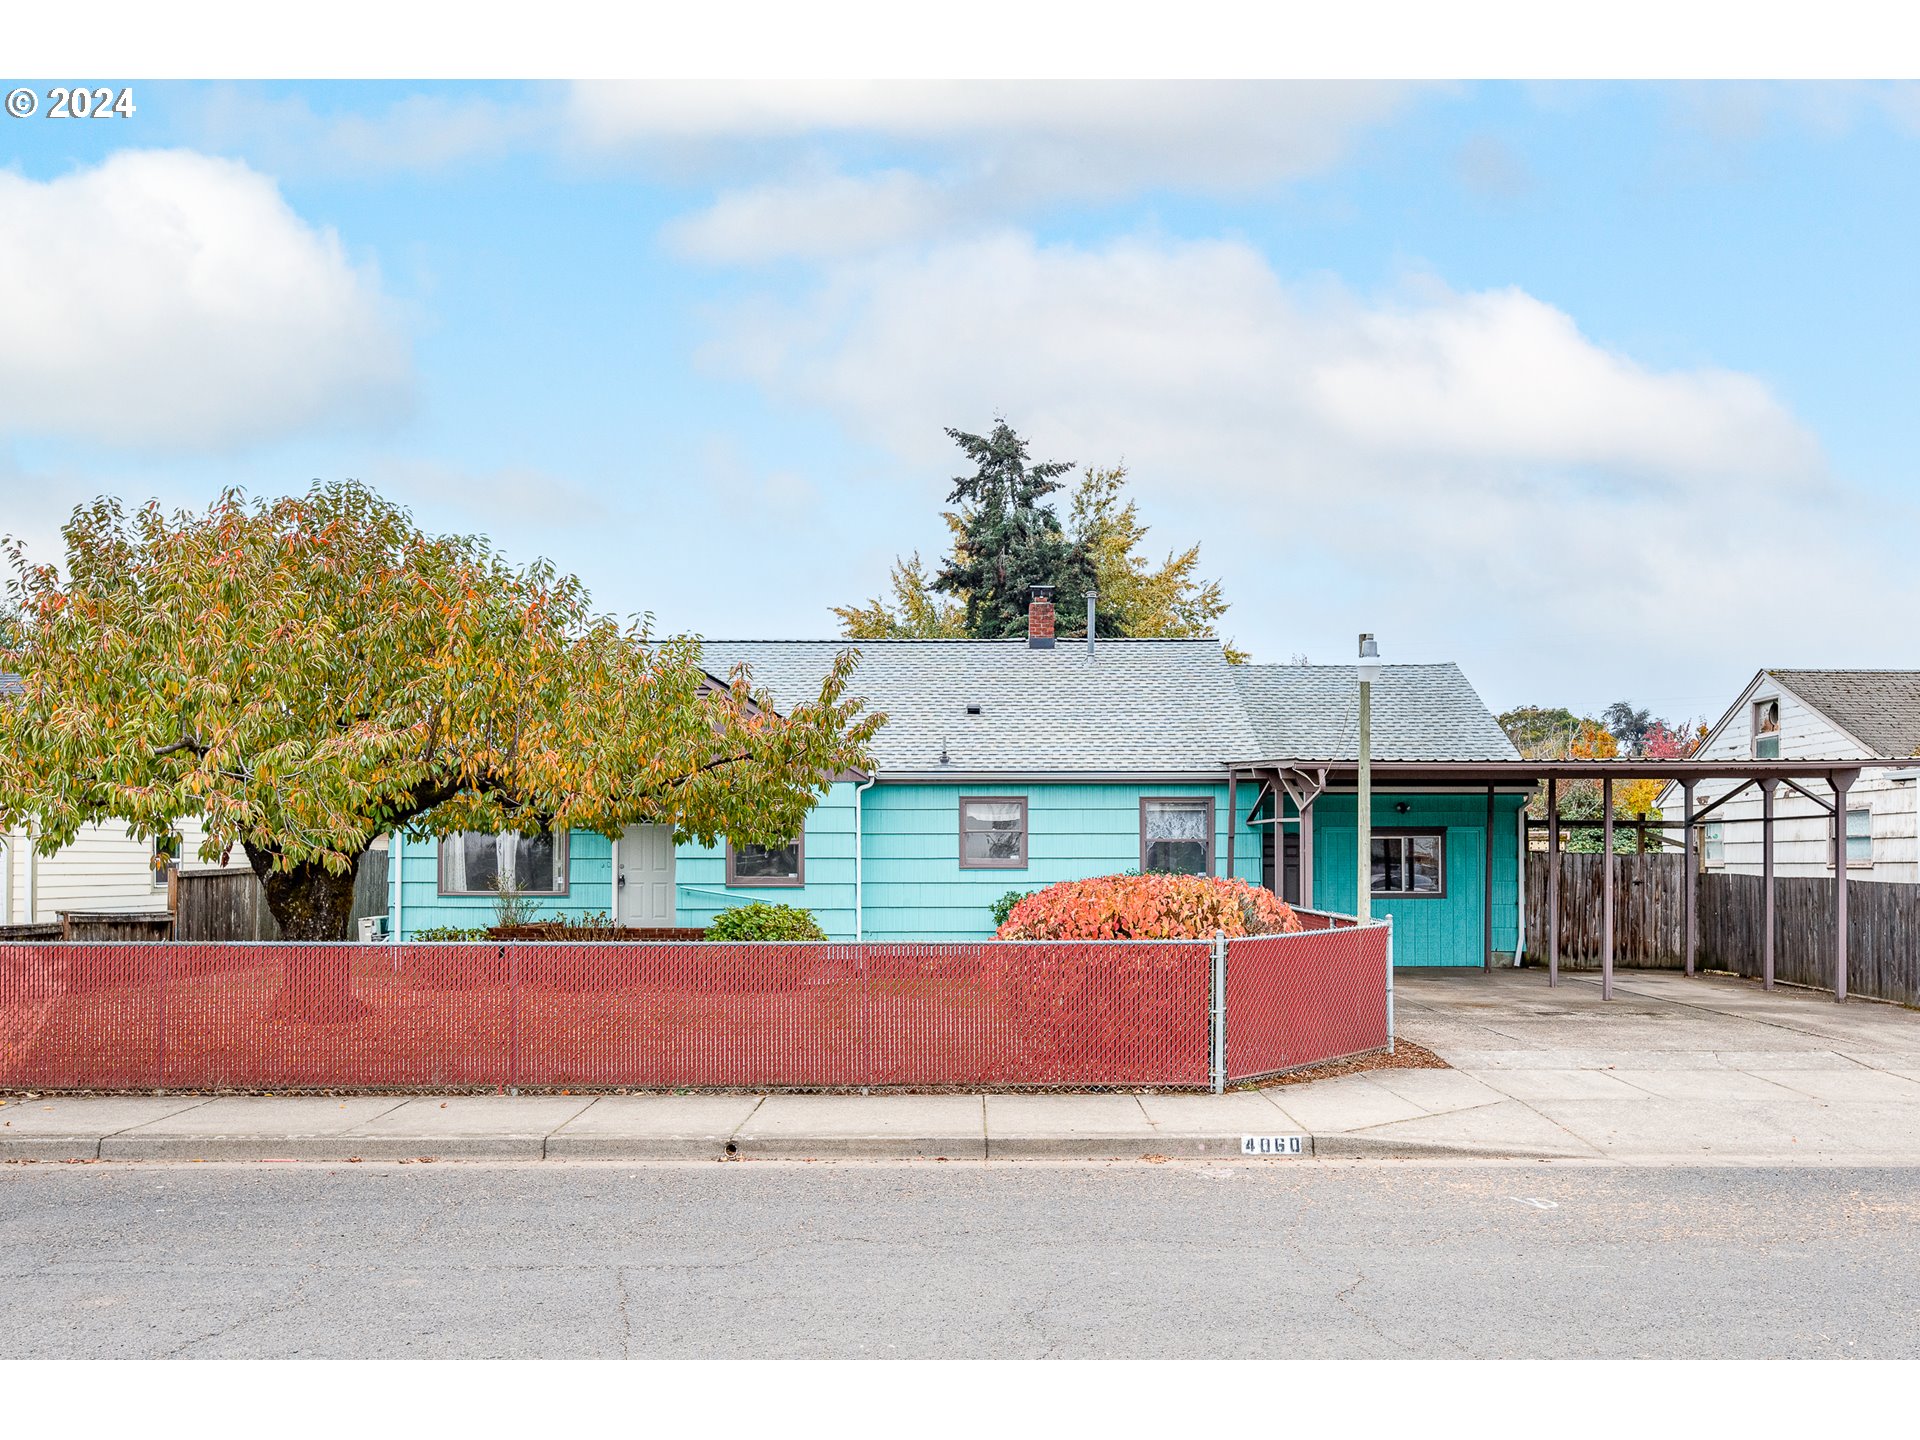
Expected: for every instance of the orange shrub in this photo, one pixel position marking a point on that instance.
(1147, 907)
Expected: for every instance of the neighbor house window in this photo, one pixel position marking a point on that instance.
(1177, 836)
(1410, 862)
(993, 832)
(475, 862)
(1859, 837)
(1714, 845)
(754, 865)
(1766, 730)
(166, 854)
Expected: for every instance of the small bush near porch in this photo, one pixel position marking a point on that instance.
(1148, 907)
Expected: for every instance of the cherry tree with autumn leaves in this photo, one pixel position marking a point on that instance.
(307, 674)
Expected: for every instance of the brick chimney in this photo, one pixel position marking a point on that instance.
(1040, 617)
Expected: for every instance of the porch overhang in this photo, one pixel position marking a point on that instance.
(1304, 780)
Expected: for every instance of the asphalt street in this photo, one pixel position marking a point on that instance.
(1276, 1259)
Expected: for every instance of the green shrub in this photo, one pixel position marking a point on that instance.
(760, 921)
(1004, 906)
(449, 932)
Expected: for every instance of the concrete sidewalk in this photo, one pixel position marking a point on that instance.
(1671, 1070)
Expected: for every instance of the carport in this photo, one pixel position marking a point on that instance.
(1493, 776)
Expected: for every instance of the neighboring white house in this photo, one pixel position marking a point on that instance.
(104, 869)
(1817, 715)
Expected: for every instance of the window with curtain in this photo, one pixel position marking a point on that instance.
(1713, 847)
(1177, 836)
(1766, 730)
(1410, 863)
(766, 864)
(993, 832)
(1860, 837)
(475, 862)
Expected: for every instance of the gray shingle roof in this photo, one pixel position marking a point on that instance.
(1420, 712)
(1140, 706)
(1879, 708)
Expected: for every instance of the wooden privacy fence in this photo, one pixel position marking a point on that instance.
(231, 905)
(1883, 923)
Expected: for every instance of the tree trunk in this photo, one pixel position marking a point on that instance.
(311, 903)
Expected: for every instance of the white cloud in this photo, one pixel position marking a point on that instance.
(982, 151)
(816, 218)
(169, 300)
(1435, 464)
(416, 133)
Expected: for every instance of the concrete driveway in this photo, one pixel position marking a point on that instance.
(1709, 1068)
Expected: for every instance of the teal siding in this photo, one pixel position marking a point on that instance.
(701, 872)
(417, 877)
(1446, 931)
(916, 890)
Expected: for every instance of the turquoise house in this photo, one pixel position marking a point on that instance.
(1008, 765)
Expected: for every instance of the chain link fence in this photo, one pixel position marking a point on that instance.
(286, 1016)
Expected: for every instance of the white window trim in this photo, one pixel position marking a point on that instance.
(1707, 861)
(1853, 864)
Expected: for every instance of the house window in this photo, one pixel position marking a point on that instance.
(1766, 730)
(166, 854)
(1176, 836)
(476, 862)
(1860, 837)
(993, 832)
(1410, 862)
(757, 865)
(1713, 849)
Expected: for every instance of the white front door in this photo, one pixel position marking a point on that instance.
(643, 889)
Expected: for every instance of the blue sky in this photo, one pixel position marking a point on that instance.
(1601, 390)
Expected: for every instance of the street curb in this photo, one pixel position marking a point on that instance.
(321, 1147)
(563, 1147)
(1118, 1147)
(859, 1147)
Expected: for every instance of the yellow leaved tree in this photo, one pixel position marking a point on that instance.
(306, 674)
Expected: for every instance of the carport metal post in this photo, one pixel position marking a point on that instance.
(1606, 888)
(1842, 781)
(1690, 881)
(1553, 882)
(1767, 787)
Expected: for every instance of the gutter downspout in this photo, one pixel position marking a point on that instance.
(859, 855)
(33, 879)
(6, 878)
(396, 867)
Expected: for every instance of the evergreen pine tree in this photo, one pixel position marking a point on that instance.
(1010, 539)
